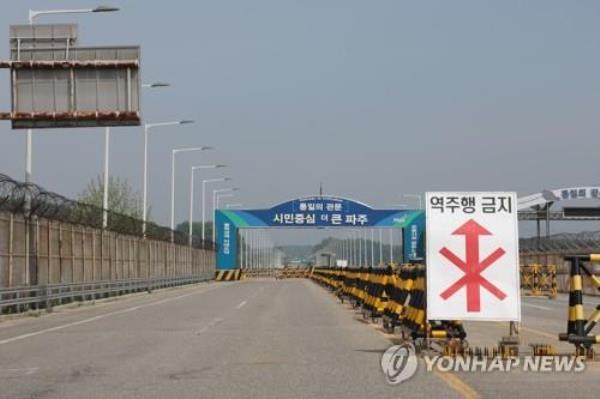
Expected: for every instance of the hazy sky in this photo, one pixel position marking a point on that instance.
(374, 98)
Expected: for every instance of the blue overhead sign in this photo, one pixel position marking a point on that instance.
(321, 211)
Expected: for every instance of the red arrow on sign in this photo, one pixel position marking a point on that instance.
(472, 267)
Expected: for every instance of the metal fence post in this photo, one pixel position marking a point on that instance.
(11, 250)
(60, 253)
(83, 252)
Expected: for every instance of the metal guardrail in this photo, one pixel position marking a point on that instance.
(37, 297)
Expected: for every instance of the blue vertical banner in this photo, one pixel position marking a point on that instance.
(413, 243)
(227, 239)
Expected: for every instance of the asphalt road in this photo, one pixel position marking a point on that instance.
(542, 320)
(250, 339)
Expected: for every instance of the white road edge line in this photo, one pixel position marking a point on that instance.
(241, 305)
(18, 372)
(100, 317)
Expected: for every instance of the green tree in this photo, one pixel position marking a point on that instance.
(122, 198)
(196, 229)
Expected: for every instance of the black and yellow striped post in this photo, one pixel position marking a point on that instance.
(228, 275)
(576, 319)
(402, 303)
(578, 327)
(415, 311)
(395, 295)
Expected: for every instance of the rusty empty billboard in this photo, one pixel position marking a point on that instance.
(56, 83)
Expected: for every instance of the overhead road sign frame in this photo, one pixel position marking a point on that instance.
(58, 84)
(67, 64)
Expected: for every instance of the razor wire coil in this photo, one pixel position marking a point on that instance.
(33, 200)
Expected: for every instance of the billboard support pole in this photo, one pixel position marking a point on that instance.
(105, 180)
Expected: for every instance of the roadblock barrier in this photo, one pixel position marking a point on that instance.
(229, 275)
(259, 273)
(292, 272)
(578, 327)
(543, 349)
(394, 294)
(478, 352)
(278, 273)
(539, 280)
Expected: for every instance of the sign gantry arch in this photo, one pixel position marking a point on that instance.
(312, 212)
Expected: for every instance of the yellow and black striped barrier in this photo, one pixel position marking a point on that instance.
(578, 327)
(539, 280)
(229, 275)
(258, 273)
(395, 294)
(292, 272)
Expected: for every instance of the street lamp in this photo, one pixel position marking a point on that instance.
(147, 127)
(380, 247)
(372, 248)
(215, 192)
(105, 9)
(350, 248)
(219, 197)
(360, 257)
(173, 153)
(194, 168)
(155, 84)
(32, 15)
(366, 250)
(217, 180)
(416, 196)
(391, 245)
(106, 161)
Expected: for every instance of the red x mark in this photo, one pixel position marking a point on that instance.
(472, 267)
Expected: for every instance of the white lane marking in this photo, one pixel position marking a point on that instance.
(18, 372)
(531, 305)
(213, 323)
(538, 332)
(243, 303)
(102, 316)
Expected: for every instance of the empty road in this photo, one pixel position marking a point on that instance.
(252, 339)
(248, 339)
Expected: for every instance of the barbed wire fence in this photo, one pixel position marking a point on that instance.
(571, 244)
(32, 200)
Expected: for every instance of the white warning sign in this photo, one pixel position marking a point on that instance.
(472, 256)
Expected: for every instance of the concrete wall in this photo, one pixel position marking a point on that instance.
(66, 253)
